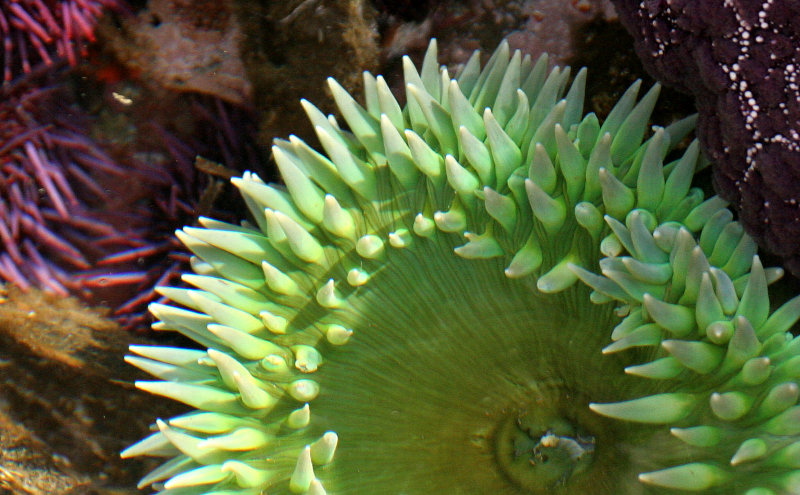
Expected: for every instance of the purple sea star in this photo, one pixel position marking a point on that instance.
(741, 61)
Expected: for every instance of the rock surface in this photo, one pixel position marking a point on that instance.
(67, 402)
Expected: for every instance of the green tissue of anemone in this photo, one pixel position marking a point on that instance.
(482, 292)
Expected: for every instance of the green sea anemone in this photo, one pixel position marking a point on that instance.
(483, 292)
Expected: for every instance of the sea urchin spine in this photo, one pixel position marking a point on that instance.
(35, 31)
(416, 288)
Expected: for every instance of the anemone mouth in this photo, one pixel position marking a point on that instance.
(427, 308)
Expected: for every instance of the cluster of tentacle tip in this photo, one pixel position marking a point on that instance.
(503, 159)
(696, 294)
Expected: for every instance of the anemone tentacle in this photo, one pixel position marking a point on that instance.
(434, 292)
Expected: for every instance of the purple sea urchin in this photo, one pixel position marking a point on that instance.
(84, 216)
(436, 293)
(43, 227)
(179, 186)
(40, 31)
